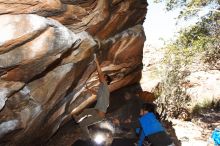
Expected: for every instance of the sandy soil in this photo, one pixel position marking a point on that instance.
(197, 132)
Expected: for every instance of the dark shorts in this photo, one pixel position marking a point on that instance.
(159, 139)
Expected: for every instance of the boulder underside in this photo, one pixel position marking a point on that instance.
(46, 60)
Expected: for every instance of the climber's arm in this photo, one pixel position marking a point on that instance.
(100, 73)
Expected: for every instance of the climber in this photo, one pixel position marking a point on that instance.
(91, 116)
(151, 128)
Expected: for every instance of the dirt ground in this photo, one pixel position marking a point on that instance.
(197, 132)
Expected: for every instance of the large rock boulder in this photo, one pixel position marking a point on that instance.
(46, 59)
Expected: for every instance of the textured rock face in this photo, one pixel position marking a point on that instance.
(46, 59)
(203, 86)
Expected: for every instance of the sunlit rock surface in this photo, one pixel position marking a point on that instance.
(203, 86)
(152, 68)
(46, 59)
(201, 82)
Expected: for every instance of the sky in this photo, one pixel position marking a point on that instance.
(160, 25)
